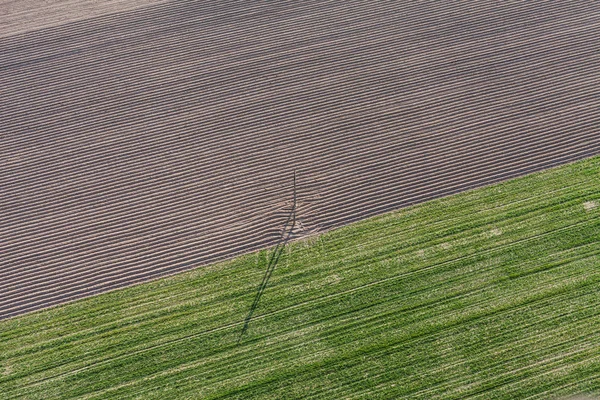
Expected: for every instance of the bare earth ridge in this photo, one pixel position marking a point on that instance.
(19, 16)
(155, 140)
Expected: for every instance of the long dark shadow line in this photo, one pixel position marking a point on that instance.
(277, 251)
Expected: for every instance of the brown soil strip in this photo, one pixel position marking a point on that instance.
(146, 142)
(20, 16)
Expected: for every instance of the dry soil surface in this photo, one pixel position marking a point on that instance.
(149, 141)
(18, 16)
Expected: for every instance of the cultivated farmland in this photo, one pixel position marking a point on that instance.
(491, 293)
(154, 140)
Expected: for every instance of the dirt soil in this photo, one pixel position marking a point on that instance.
(19, 16)
(140, 143)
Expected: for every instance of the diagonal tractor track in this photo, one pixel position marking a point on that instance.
(149, 141)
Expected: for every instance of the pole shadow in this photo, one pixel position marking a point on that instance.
(286, 234)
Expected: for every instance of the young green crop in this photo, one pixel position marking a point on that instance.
(491, 293)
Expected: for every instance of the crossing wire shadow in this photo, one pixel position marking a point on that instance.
(286, 234)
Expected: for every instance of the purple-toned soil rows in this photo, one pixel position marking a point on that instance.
(146, 142)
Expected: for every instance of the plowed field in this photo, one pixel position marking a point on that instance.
(488, 294)
(148, 141)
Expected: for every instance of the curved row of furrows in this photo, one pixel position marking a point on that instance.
(355, 157)
(137, 271)
(21, 16)
(132, 143)
(187, 15)
(157, 140)
(295, 117)
(141, 29)
(468, 141)
(119, 82)
(572, 75)
(118, 85)
(579, 89)
(569, 81)
(220, 94)
(308, 32)
(182, 232)
(409, 167)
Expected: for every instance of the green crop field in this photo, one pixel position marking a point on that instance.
(493, 293)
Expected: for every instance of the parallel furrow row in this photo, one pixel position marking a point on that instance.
(155, 140)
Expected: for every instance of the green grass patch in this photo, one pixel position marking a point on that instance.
(492, 293)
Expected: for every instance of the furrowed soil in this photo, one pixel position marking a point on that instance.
(20, 16)
(138, 143)
(492, 293)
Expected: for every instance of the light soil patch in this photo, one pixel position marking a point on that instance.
(298, 228)
(20, 16)
(333, 279)
(494, 232)
(590, 205)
